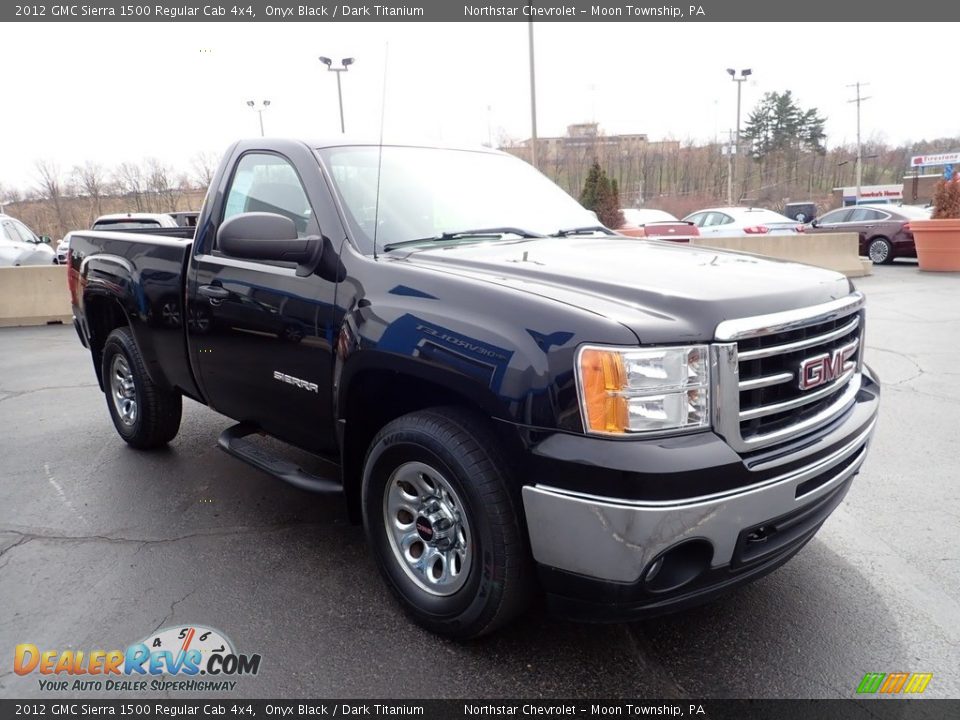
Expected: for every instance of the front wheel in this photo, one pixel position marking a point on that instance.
(880, 251)
(145, 414)
(443, 522)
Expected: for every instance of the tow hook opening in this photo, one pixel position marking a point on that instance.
(760, 534)
(678, 566)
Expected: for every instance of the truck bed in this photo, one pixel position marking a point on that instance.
(142, 274)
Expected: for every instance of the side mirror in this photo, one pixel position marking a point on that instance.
(268, 236)
(45, 239)
(814, 223)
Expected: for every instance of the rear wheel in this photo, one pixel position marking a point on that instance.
(880, 251)
(145, 414)
(442, 519)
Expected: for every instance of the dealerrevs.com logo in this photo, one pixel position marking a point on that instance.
(189, 658)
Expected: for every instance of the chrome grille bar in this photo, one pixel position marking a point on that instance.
(765, 389)
(810, 397)
(774, 323)
(801, 344)
(766, 381)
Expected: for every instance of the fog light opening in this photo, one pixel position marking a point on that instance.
(678, 566)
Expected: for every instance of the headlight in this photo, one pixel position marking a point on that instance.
(644, 390)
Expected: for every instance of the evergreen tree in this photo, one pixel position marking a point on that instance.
(778, 125)
(602, 195)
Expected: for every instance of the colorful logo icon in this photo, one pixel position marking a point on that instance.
(894, 683)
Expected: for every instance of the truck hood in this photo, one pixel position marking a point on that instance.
(662, 291)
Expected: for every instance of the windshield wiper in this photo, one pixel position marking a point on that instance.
(478, 233)
(567, 232)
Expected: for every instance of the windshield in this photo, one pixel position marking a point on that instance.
(426, 192)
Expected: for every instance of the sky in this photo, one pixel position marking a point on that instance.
(110, 93)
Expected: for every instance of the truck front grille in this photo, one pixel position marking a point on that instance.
(760, 399)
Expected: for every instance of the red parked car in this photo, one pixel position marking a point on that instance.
(884, 229)
(647, 222)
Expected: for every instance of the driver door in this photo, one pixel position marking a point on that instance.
(260, 335)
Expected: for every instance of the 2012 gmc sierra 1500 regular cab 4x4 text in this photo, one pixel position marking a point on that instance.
(515, 399)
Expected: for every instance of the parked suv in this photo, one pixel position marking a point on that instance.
(19, 245)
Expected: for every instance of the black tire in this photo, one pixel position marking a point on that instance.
(156, 418)
(881, 249)
(464, 450)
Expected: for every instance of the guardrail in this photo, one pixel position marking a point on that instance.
(34, 295)
(833, 251)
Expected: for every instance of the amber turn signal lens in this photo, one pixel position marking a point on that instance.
(603, 377)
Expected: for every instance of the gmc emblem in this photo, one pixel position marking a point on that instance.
(821, 369)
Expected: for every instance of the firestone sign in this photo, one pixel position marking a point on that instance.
(938, 159)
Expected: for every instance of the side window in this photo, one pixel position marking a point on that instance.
(723, 219)
(25, 233)
(867, 215)
(268, 183)
(696, 219)
(836, 216)
(9, 234)
(715, 218)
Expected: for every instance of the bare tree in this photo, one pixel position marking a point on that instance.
(53, 188)
(91, 180)
(204, 168)
(160, 181)
(130, 181)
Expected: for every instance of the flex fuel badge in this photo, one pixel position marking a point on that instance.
(190, 658)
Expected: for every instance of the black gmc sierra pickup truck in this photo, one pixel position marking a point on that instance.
(515, 399)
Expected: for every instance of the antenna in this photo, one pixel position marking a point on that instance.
(383, 113)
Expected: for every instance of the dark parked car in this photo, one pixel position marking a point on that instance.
(884, 229)
(800, 211)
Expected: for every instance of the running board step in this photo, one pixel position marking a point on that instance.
(234, 441)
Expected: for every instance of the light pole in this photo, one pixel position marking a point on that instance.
(345, 64)
(744, 74)
(263, 106)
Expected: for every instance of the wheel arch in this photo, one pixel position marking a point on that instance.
(103, 314)
(377, 389)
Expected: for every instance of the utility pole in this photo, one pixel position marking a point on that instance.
(533, 103)
(859, 99)
(730, 153)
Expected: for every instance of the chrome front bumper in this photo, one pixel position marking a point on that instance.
(616, 540)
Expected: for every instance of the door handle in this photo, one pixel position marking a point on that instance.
(214, 292)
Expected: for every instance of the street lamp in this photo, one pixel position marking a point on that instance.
(263, 106)
(731, 178)
(345, 63)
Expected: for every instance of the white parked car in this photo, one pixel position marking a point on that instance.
(743, 221)
(19, 245)
(62, 247)
(130, 221)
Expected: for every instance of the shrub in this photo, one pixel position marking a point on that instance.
(946, 199)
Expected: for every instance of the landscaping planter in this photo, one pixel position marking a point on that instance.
(938, 244)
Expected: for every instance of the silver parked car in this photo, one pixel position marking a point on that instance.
(743, 221)
(19, 245)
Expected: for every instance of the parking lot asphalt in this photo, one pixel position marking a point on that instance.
(101, 544)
